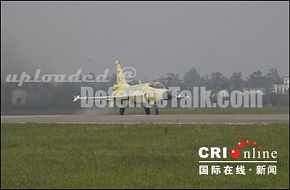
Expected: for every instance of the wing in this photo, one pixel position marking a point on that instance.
(75, 98)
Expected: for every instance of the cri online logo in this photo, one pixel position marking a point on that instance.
(245, 149)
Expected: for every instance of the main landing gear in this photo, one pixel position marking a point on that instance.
(155, 109)
(122, 111)
(147, 110)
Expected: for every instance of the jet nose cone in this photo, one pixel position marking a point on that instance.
(167, 95)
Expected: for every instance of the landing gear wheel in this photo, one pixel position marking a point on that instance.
(156, 110)
(147, 111)
(122, 111)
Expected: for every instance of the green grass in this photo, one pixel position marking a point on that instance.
(130, 156)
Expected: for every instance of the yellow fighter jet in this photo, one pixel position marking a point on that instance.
(147, 95)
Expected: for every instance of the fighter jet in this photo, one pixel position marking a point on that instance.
(147, 95)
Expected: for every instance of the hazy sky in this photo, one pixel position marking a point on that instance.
(153, 37)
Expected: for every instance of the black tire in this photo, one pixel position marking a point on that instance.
(122, 111)
(147, 111)
(156, 111)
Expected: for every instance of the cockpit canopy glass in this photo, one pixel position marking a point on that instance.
(156, 85)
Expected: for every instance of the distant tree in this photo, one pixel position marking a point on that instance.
(192, 78)
(235, 81)
(272, 77)
(256, 80)
(171, 79)
(278, 99)
(274, 99)
(217, 81)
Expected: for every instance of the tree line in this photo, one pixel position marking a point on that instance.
(217, 81)
(57, 97)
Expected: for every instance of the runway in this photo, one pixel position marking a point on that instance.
(150, 119)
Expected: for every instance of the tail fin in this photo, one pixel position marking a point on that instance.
(121, 81)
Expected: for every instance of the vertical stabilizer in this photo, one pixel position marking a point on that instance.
(121, 81)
